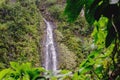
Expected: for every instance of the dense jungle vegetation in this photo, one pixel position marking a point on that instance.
(87, 35)
(19, 37)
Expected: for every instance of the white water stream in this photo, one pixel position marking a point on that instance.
(50, 52)
(50, 62)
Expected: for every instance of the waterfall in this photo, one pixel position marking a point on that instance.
(50, 62)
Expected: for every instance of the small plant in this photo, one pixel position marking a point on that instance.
(22, 71)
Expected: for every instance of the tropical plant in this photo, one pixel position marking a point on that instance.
(22, 71)
(103, 63)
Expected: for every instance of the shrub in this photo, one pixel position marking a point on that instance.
(22, 71)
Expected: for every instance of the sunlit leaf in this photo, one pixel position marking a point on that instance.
(4, 73)
(14, 65)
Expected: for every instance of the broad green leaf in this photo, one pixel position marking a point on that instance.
(73, 8)
(100, 9)
(76, 76)
(4, 73)
(110, 36)
(41, 69)
(26, 77)
(89, 11)
(14, 65)
(94, 54)
(64, 71)
(83, 64)
(85, 69)
(99, 69)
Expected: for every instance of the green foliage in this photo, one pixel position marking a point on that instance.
(56, 11)
(22, 71)
(62, 75)
(50, 2)
(74, 38)
(73, 10)
(19, 25)
(105, 15)
(94, 10)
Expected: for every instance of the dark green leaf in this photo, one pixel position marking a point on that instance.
(110, 10)
(110, 36)
(73, 8)
(100, 9)
(90, 8)
(99, 69)
(116, 21)
(85, 69)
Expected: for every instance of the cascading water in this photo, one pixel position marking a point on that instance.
(50, 52)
